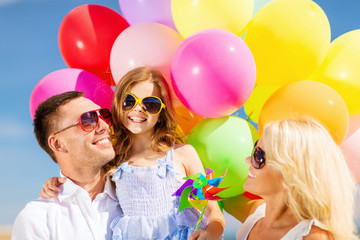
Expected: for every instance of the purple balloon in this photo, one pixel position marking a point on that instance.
(140, 11)
(213, 73)
(71, 79)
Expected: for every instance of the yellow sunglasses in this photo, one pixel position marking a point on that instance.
(151, 105)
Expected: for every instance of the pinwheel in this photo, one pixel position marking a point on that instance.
(197, 190)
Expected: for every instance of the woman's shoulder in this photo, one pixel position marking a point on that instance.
(317, 233)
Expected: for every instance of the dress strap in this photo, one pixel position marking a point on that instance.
(167, 163)
(123, 167)
(302, 229)
(169, 155)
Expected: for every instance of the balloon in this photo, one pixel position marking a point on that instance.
(289, 40)
(144, 44)
(191, 16)
(86, 36)
(353, 125)
(258, 4)
(351, 151)
(257, 100)
(224, 143)
(139, 11)
(186, 119)
(340, 69)
(64, 80)
(213, 73)
(310, 98)
(241, 114)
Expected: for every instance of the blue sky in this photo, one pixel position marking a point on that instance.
(29, 51)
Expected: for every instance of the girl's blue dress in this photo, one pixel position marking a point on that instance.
(149, 209)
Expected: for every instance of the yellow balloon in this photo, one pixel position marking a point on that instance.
(341, 69)
(257, 100)
(289, 39)
(191, 16)
(258, 4)
(308, 98)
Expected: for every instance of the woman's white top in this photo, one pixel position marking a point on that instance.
(296, 233)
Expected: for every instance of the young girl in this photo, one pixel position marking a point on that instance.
(150, 164)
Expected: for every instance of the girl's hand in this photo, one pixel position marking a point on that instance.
(51, 188)
(202, 234)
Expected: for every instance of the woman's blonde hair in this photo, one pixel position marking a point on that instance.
(320, 185)
(166, 131)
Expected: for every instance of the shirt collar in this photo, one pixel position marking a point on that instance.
(69, 188)
(110, 189)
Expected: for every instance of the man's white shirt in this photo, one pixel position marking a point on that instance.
(72, 216)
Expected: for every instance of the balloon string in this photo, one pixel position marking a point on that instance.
(201, 216)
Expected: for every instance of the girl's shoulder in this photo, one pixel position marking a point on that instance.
(184, 150)
(189, 159)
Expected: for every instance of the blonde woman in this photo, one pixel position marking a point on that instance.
(303, 179)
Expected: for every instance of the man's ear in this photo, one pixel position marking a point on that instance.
(56, 145)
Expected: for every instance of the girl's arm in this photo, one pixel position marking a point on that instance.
(51, 188)
(216, 220)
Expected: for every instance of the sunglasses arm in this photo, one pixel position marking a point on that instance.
(72, 125)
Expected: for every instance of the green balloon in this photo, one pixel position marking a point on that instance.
(225, 143)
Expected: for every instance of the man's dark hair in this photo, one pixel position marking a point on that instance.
(45, 115)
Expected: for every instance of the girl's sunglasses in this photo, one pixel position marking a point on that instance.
(90, 120)
(257, 157)
(150, 105)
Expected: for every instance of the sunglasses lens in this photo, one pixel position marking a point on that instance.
(258, 159)
(151, 105)
(89, 121)
(105, 115)
(128, 103)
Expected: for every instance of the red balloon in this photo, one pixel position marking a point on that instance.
(86, 36)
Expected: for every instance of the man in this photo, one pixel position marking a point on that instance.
(75, 132)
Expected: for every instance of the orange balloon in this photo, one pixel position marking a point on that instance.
(186, 119)
(308, 98)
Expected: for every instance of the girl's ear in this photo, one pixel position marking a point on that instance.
(55, 144)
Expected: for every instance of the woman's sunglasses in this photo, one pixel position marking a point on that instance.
(90, 120)
(150, 105)
(257, 157)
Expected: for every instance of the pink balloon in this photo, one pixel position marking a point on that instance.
(71, 79)
(140, 11)
(213, 73)
(144, 44)
(351, 150)
(354, 124)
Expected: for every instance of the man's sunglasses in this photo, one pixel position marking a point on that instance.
(88, 121)
(150, 105)
(258, 157)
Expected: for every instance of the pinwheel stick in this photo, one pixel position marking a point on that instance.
(201, 216)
